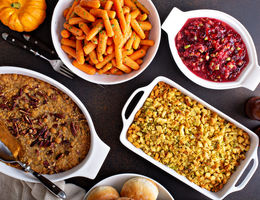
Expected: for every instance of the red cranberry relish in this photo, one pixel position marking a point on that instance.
(211, 49)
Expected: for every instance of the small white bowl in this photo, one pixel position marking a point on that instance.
(155, 34)
(250, 76)
(118, 180)
(98, 151)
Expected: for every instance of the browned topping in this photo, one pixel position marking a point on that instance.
(49, 125)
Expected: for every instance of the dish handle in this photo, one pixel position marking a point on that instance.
(133, 95)
(172, 20)
(248, 176)
(95, 161)
(252, 79)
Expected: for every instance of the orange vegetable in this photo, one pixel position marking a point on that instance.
(94, 31)
(76, 2)
(76, 20)
(79, 52)
(102, 44)
(65, 12)
(22, 15)
(85, 68)
(118, 37)
(83, 13)
(73, 29)
(147, 42)
(138, 54)
(120, 15)
(93, 57)
(107, 67)
(145, 26)
(89, 47)
(105, 61)
(130, 4)
(90, 3)
(65, 34)
(137, 28)
(69, 50)
(108, 5)
(68, 42)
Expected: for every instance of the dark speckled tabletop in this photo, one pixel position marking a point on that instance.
(105, 104)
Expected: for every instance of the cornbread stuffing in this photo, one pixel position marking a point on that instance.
(188, 137)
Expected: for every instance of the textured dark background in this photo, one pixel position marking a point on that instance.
(105, 104)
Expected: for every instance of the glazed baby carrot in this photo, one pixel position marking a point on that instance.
(109, 41)
(147, 42)
(130, 4)
(137, 28)
(136, 42)
(68, 42)
(118, 36)
(107, 67)
(96, 28)
(83, 13)
(119, 56)
(90, 3)
(85, 68)
(65, 12)
(101, 48)
(130, 63)
(120, 15)
(80, 37)
(84, 27)
(73, 29)
(69, 50)
(139, 61)
(130, 42)
(145, 26)
(124, 68)
(76, 20)
(142, 8)
(93, 57)
(138, 54)
(79, 52)
(135, 13)
(76, 2)
(108, 5)
(105, 61)
(65, 34)
(142, 17)
(89, 47)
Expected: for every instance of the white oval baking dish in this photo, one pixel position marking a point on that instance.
(229, 187)
(98, 151)
(250, 76)
(118, 180)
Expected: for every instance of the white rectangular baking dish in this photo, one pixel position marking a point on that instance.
(98, 151)
(229, 187)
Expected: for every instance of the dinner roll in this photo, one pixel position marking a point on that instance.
(103, 193)
(140, 189)
(124, 198)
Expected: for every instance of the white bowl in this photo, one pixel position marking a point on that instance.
(98, 151)
(250, 76)
(230, 186)
(118, 180)
(155, 34)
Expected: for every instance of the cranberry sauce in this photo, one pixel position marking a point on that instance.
(211, 49)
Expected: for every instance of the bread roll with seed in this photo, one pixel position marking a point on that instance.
(140, 189)
(103, 193)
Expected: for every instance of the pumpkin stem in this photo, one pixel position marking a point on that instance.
(16, 5)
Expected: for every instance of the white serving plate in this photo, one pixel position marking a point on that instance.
(98, 151)
(118, 180)
(229, 187)
(250, 76)
(155, 34)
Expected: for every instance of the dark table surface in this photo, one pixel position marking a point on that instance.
(105, 104)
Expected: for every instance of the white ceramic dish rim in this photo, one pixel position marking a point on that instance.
(98, 151)
(122, 178)
(230, 185)
(105, 79)
(249, 78)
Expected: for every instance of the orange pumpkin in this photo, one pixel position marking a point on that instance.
(22, 15)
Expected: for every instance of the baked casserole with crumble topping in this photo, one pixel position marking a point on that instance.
(186, 136)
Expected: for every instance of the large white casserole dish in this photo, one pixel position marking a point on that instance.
(229, 187)
(250, 76)
(118, 180)
(98, 151)
(155, 34)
